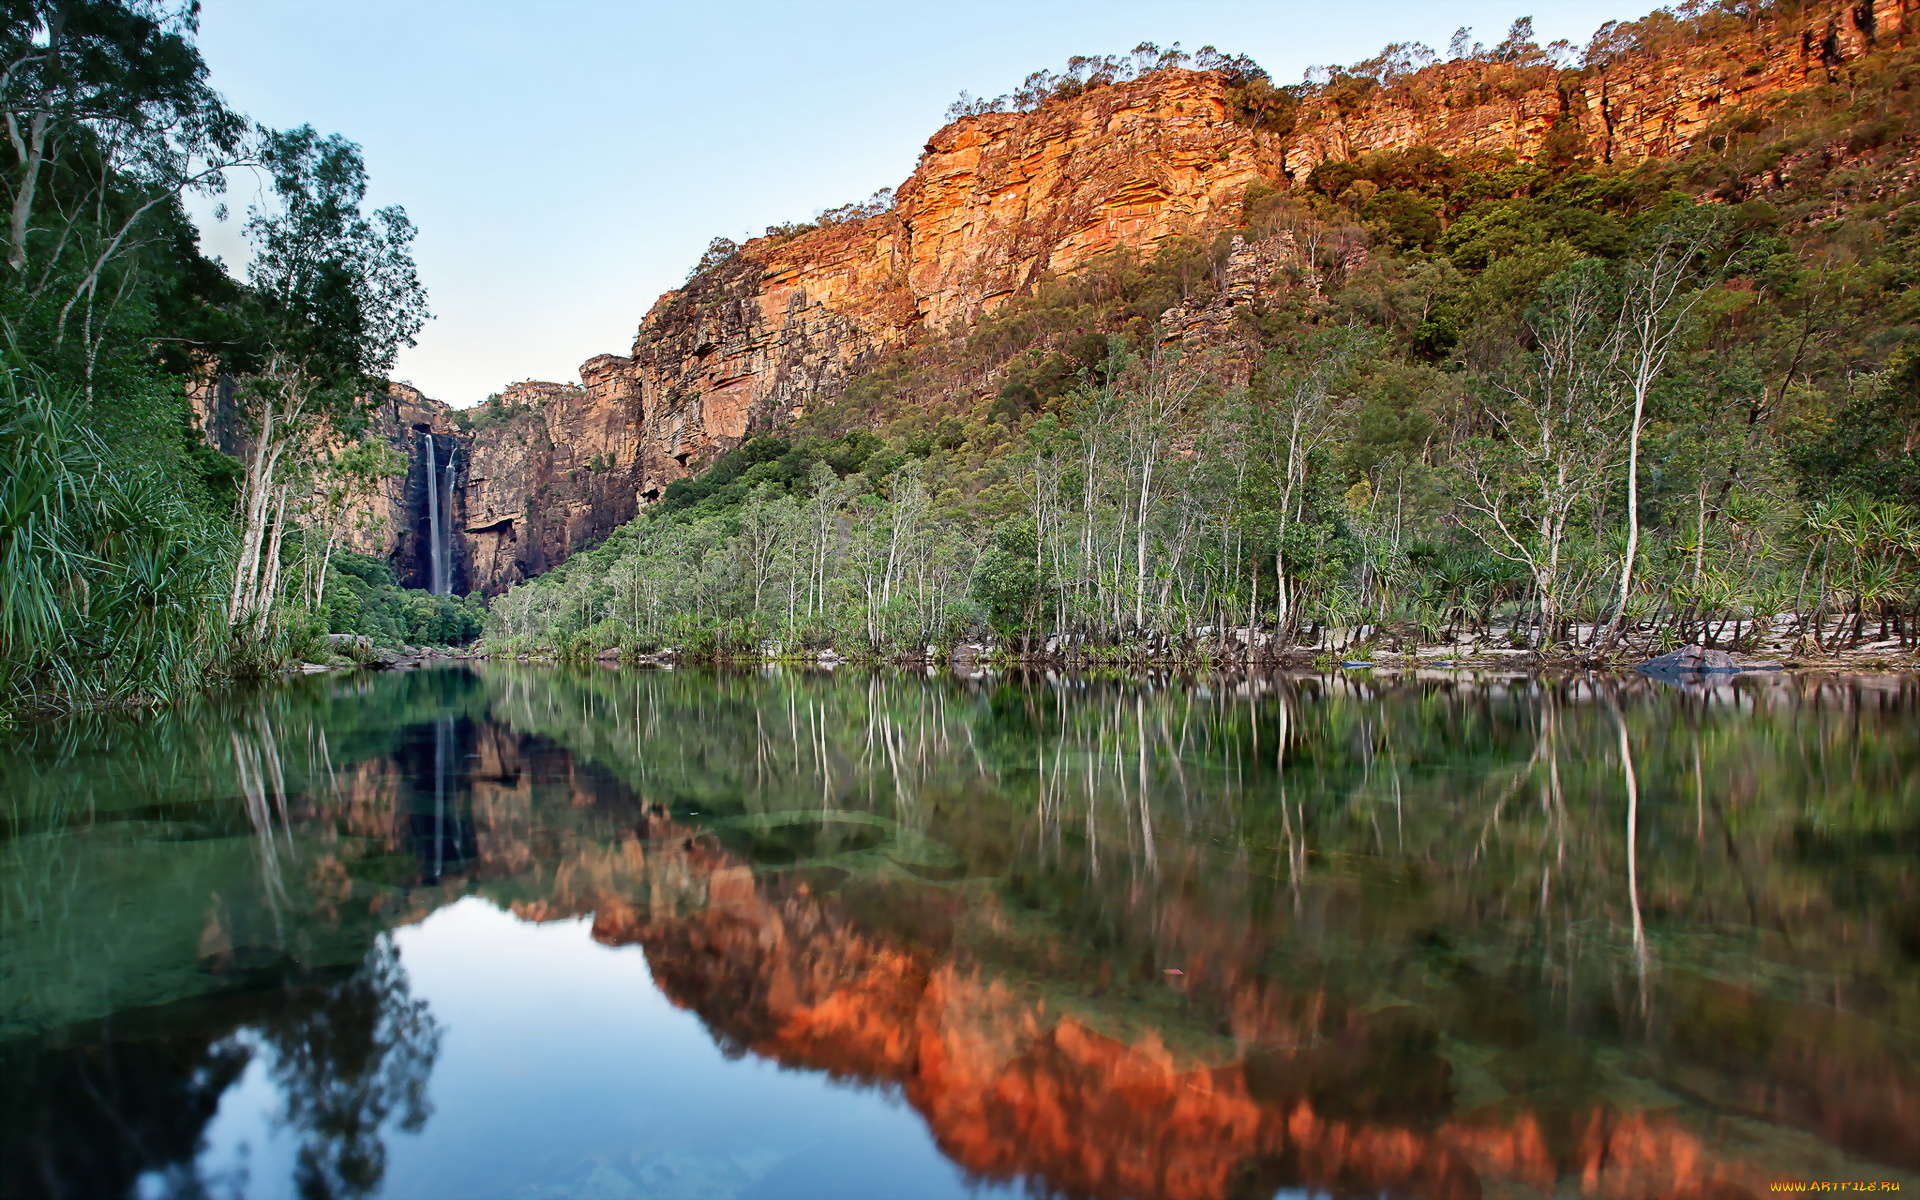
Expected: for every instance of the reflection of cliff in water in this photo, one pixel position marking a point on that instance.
(973, 898)
(872, 984)
(343, 830)
(1399, 916)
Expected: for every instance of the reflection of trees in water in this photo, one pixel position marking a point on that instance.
(358, 1056)
(1573, 886)
(122, 1105)
(1476, 858)
(86, 1115)
(117, 834)
(262, 778)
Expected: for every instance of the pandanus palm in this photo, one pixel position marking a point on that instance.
(1869, 547)
(106, 576)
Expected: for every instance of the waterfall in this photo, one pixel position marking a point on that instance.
(446, 522)
(438, 582)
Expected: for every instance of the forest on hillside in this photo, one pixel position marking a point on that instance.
(137, 561)
(1577, 409)
(1555, 405)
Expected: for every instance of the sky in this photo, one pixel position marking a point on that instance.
(566, 161)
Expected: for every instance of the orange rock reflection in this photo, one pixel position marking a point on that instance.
(1011, 1091)
(878, 984)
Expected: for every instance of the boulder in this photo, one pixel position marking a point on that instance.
(1691, 660)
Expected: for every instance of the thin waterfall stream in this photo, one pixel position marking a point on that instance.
(446, 522)
(439, 582)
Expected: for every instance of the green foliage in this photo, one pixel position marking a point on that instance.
(492, 413)
(363, 598)
(1007, 581)
(111, 313)
(107, 573)
(1872, 447)
(1784, 384)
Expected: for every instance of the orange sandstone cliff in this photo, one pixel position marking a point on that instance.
(999, 201)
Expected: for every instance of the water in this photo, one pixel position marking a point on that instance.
(439, 517)
(533, 933)
(445, 500)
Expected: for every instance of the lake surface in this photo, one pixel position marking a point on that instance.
(529, 932)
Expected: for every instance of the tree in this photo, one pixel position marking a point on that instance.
(74, 67)
(1518, 47)
(1157, 396)
(351, 476)
(1659, 292)
(334, 296)
(110, 120)
(1299, 396)
(766, 529)
(1520, 490)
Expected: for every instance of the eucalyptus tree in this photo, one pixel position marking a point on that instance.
(110, 121)
(1304, 406)
(1155, 405)
(1096, 409)
(1545, 449)
(75, 70)
(334, 296)
(1041, 476)
(766, 528)
(1658, 293)
(350, 477)
(823, 521)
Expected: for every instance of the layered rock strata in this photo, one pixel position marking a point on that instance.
(391, 518)
(1652, 103)
(1001, 201)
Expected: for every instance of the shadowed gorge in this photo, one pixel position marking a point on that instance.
(1362, 938)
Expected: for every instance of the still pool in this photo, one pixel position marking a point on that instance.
(526, 932)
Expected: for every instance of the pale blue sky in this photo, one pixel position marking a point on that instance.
(567, 160)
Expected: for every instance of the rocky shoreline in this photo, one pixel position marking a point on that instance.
(1687, 663)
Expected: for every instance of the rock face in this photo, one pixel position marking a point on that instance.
(997, 201)
(1000, 201)
(535, 478)
(546, 478)
(876, 986)
(1644, 103)
(395, 523)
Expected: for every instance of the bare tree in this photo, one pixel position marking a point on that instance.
(1520, 491)
(1659, 293)
(1299, 397)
